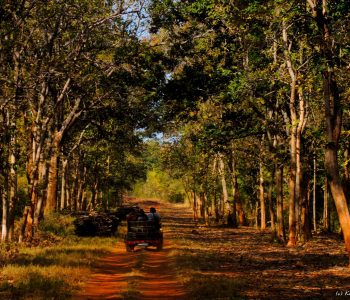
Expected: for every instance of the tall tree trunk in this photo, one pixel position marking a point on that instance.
(203, 206)
(74, 193)
(38, 213)
(81, 188)
(262, 198)
(279, 196)
(216, 208)
(272, 210)
(236, 195)
(333, 117)
(94, 193)
(22, 234)
(12, 183)
(83, 200)
(4, 219)
(33, 162)
(314, 196)
(256, 215)
(333, 123)
(225, 201)
(304, 205)
(235, 191)
(51, 200)
(346, 176)
(63, 201)
(326, 222)
(292, 189)
(299, 171)
(292, 138)
(195, 209)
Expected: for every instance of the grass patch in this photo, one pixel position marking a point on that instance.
(57, 224)
(55, 271)
(71, 252)
(39, 282)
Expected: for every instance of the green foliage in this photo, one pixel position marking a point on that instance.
(160, 181)
(160, 185)
(57, 224)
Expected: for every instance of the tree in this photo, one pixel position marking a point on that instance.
(324, 14)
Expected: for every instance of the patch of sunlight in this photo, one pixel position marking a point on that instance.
(41, 282)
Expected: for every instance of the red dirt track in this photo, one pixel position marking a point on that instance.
(217, 262)
(143, 274)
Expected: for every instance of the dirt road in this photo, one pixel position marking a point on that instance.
(217, 262)
(143, 274)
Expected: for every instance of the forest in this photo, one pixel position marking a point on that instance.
(236, 111)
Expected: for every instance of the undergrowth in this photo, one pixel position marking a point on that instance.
(54, 266)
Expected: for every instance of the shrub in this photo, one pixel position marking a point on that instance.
(58, 224)
(177, 198)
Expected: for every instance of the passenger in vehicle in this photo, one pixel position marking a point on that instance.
(133, 215)
(142, 216)
(153, 216)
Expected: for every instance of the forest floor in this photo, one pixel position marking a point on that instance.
(200, 262)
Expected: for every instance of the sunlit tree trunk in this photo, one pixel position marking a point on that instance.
(42, 174)
(279, 198)
(206, 208)
(63, 200)
(51, 200)
(300, 199)
(236, 194)
(195, 208)
(203, 207)
(333, 116)
(95, 193)
(314, 196)
(4, 199)
(222, 173)
(262, 198)
(346, 175)
(326, 222)
(12, 179)
(38, 137)
(292, 139)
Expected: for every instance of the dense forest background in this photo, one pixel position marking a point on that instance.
(239, 107)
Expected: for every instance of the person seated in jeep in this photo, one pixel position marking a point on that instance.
(142, 216)
(153, 216)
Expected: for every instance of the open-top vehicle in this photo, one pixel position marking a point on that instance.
(143, 234)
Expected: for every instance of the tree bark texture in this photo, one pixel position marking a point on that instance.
(279, 195)
(271, 209)
(262, 199)
(63, 196)
(51, 200)
(292, 139)
(333, 116)
(223, 186)
(314, 195)
(326, 222)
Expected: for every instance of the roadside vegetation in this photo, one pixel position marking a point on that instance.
(52, 267)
